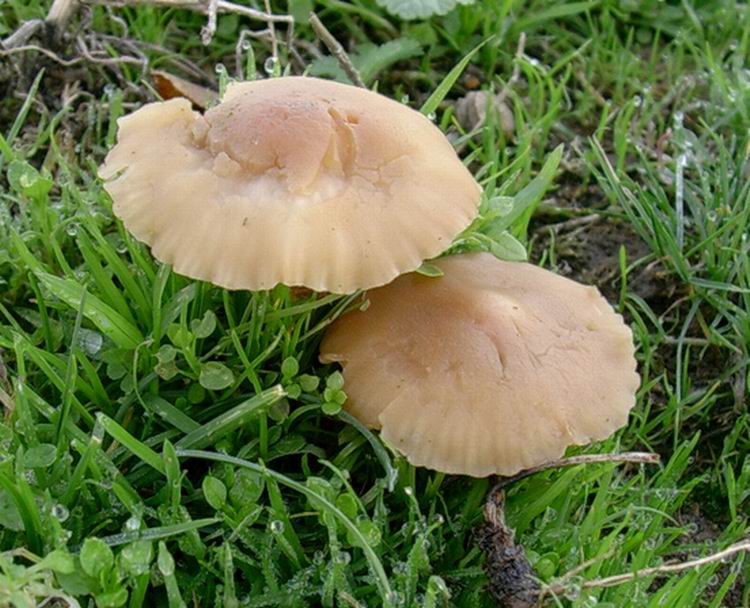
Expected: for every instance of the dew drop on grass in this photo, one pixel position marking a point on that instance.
(133, 524)
(269, 65)
(432, 116)
(60, 512)
(71, 229)
(318, 558)
(400, 568)
(409, 491)
(394, 598)
(343, 558)
(573, 592)
(277, 526)
(439, 584)
(90, 341)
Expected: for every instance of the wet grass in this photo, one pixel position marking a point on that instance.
(165, 442)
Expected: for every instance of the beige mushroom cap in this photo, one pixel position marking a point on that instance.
(494, 367)
(290, 180)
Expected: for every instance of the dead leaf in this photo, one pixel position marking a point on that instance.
(170, 86)
(471, 111)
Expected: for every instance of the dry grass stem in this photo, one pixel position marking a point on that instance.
(618, 579)
(516, 74)
(203, 6)
(337, 50)
(636, 457)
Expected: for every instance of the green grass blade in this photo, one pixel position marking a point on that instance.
(231, 420)
(136, 447)
(442, 90)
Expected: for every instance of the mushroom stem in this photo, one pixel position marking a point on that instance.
(637, 457)
(336, 50)
(512, 581)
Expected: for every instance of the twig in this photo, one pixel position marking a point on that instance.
(310, 48)
(638, 457)
(23, 34)
(38, 49)
(516, 73)
(84, 50)
(272, 32)
(336, 49)
(208, 30)
(134, 47)
(222, 6)
(618, 579)
(58, 16)
(570, 224)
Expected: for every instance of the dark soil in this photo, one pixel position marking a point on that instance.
(587, 249)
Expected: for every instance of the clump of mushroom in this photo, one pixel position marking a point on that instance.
(292, 180)
(492, 368)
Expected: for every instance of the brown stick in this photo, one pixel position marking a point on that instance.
(516, 74)
(23, 34)
(618, 579)
(58, 16)
(336, 50)
(38, 49)
(637, 457)
(208, 30)
(222, 6)
(272, 32)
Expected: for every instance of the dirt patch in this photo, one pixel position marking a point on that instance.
(587, 249)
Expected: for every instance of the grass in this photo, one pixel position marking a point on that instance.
(169, 443)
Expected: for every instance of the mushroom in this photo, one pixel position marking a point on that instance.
(292, 180)
(492, 368)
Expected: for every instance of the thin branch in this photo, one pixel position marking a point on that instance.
(336, 50)
(570, 224)
(222, 6)
(38, 49)
(87, 54)
(230, 7)
(208, 30)
(58, 16)
(23, 34)
(272, 32)
(310, 48)
(516, 74)
(638, 457)
(618, 579)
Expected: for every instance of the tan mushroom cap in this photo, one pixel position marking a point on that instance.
(494, 367)
(289, 180)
